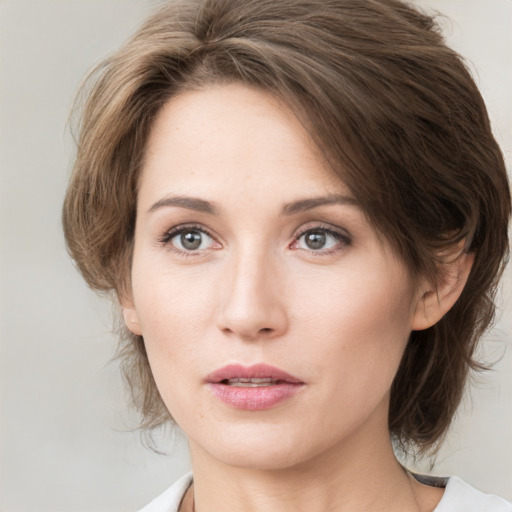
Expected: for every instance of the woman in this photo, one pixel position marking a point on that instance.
(303, 213)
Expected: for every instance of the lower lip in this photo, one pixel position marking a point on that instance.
(257, 398)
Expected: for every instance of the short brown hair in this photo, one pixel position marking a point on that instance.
(393, 109)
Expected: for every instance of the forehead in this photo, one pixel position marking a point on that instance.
(233, 138)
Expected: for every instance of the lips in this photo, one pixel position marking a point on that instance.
(254, 388)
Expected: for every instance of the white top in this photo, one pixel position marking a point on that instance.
(458, 497)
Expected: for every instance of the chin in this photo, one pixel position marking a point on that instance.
(260, 446)
(269, 458)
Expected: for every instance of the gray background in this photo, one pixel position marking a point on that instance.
(66, 442)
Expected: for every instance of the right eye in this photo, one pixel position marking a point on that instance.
(188, 239)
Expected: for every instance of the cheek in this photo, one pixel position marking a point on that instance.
(357, 300)
(174, 310)
(170, 298)
(354, 358)
(360, 324)
(171, 330)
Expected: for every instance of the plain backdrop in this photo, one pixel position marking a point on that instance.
(66, 437)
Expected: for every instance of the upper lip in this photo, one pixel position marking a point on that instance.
(257, 371)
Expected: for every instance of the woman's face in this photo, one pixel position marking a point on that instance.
(248, 251)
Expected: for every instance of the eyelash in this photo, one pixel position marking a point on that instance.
(178, 230)
(342, 238)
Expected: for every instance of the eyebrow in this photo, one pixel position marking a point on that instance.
(292, 208)
(191, 203)
(314, 202)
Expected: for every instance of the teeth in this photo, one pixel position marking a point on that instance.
(251, 383)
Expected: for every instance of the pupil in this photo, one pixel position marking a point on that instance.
(315, 240)
(191, 240)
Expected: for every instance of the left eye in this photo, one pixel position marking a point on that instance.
(191, 240)
(317, 240)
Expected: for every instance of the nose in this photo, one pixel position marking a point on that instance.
(252, 305)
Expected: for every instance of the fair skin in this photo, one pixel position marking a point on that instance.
(231, 266)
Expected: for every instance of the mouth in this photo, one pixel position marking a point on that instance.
(256, 376)
(253, 388)
(250, 383)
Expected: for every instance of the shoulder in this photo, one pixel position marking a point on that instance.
(169, 500)
(460, 496)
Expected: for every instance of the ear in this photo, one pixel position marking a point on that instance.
(436, 299)
(131, 318)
